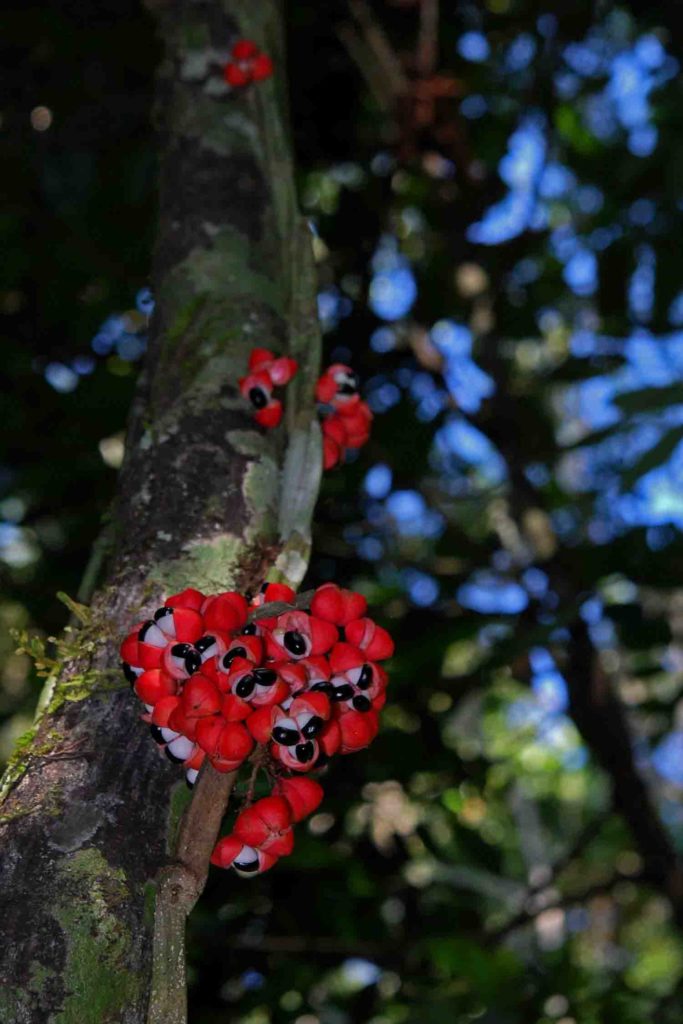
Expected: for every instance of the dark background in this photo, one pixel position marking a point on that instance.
(498, 242)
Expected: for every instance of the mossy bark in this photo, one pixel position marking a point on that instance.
(88, 808)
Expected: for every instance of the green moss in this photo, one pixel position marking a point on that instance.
(18, 1005)
(248, 442)
(75, 647)
(233, 133)
(180, 798)
(91, 683)
(150, 896)
(206, 565)
(225, 268)
(195, 36)
(100, 984)
(24, 751)
(184, 318)
(23, 743)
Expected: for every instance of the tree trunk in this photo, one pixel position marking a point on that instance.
(89, 812)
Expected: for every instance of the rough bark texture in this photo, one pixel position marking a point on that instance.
(88, 809)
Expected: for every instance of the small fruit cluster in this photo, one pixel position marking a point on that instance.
(247, 64)
(223, 679)
(266, 372)
(262, 832)
(344, 416)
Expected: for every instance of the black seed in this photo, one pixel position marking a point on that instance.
(264, 587)
(204, 643)
(286, 737)
(157, 735)
(190, 785)
(265, 676)
(304, 752)
(249, 629)
(322, 687)
(172, 757)
(247, 865)
(361, 703)
(313, 727)
(322, 759)
(128, 673)
(245, 687)
(347, 389)
(144, 629)
(161, 613)
(236, 652)
(343, 692)
(181, 650)
(365, 678)
(193, 661)
(258, 398)
(294, 642)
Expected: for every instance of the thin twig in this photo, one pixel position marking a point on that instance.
(537, 907)
(379, 44)
(428, 39)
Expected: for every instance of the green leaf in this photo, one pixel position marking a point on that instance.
(80, 611)
(570, 125)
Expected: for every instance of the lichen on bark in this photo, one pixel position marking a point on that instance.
(89, 811)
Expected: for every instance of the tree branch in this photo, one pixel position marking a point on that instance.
(179, 886)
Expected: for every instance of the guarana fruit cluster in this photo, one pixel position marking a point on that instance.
(344, 416)
(223, 680)
(247, 64)
(266, 373)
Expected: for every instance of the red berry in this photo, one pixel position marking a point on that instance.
(303, 796)
(226, 612)
(259, 358)
(244, 49)
(282, 370)
(188, 598)
(154, 684)
(339, 606)
(370, 638)
(332, 453)
(271, 414)
(234, 75)
(262, 67)
(261, 823)
(163, 709)
(357, 730)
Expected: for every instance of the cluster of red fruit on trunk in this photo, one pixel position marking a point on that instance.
(266, 372)
(344, 416)
(247, 64)
(221, 679)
